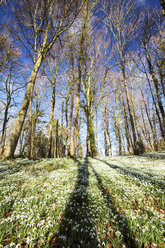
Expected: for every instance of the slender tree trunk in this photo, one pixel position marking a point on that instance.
(51, 118)
(109, 137)
(80, 60)
(97, 145)
(30, 148)
(155, 103)
(61, 133)
(104, 111)
(126, 128)
(5, 121)
(76, 118)
(157, 111)
(137, 125)
(68, 142)
(154, 138)
(57, 140)
(3, 140)
(79, 142)
(149, 120)
(146, 132)
(118, 124)
(135, 147)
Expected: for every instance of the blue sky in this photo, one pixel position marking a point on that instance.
(154, 3)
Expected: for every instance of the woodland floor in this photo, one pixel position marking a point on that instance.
(108, 202)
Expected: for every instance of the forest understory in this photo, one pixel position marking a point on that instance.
(112, 202)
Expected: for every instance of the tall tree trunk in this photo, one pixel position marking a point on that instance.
(30, 148)
(156, 85)
(80, 60)
(146, 132)
(97, 145)
(57, 140)
(104, 111)
(3, 139)
(118, 124)
(61, 133)
(109, 137)
(79, 142)
(88, 152)
(49, 149)
(126, 128)
(76, 117)
(68, 142)
(155, 103)
(149, 120)
(154, 138)
(137, 125)
(91, 152)
(13, 140)
(5, 121)
(135, 146)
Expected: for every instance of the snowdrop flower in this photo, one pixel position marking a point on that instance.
(12, 244)
(28, 240)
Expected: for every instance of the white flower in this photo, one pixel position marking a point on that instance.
(12, 244)
(28, 240)
(18, 246)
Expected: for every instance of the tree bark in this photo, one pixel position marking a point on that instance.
(91, 151)
(118, 128)
(109, 137)
(49, 149)
(57, 140)
(30, 142)
(5, 121)
(126, 128)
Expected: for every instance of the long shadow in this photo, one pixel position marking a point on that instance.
(120, 221)
(135, 174)
(76, 229)
(15, 168)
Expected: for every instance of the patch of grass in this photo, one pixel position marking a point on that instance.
(103, 202)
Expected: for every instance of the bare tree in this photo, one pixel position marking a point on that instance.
(40, 23)
(122, 21)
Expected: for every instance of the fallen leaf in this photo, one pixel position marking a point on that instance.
(161, 211)
(108, 225)
(111, 233)
(103, 236)
(153, 245)
(146, 245)
(109, 245)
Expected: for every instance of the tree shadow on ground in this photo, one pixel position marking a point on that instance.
(76, 229)
(135, 174)
(120, 220)
(14, 167)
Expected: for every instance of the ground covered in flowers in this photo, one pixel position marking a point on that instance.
(107, 202)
